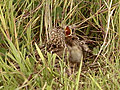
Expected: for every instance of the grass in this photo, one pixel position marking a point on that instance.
(25, 23)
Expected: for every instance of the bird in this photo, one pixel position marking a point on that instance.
(62, 41)
(57, 37)
(74, 46)
(56, 43)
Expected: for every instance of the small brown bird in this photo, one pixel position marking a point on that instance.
(75, 50)
(62, 40)
(57, 37)
(56, 42)
(74, 47)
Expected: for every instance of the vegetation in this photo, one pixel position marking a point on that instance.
(25, 23)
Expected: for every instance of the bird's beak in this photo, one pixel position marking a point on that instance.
(68, 31)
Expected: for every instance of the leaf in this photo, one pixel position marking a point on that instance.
(40, 54)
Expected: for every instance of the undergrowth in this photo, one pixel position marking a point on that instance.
(24, 25)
